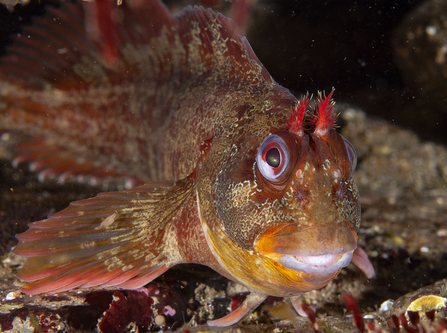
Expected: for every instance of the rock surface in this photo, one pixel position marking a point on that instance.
(421, 51)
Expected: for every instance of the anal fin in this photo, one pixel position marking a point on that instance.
(114, 239)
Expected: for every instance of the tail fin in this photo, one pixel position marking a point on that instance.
(113, 239)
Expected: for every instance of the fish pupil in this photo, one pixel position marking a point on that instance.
(273, 157)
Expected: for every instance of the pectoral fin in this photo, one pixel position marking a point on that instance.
(361, 260)
(113, 239)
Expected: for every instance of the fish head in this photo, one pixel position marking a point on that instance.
(318, 215)
(288, 207)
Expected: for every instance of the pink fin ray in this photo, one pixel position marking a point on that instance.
(241, 12)
(122, 277)
(143, 278)
(101, 278)
(361, 260)
(94, 275)
(301, 308)
(250, 303)
(115, 238)
(62, 284)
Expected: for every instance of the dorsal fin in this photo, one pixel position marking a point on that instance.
(45, 52)
(55, 76)
(222, 51)
(150, 43)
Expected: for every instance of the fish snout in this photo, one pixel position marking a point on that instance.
(320, 250)
(319, 239)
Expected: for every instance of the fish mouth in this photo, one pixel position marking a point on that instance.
(319, 252)
(322, 265)
(320, 239)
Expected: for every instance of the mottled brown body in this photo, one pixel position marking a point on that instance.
(238, 184)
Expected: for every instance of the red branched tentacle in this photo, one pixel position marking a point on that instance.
(405, 325)
(311, 315)
(395, 322)
(353, 306)
(414, 317)
(295, 122)
(431, 315)
(324, 118)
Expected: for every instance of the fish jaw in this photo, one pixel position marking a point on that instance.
(319, 253)
(320, 268)
(320, 239)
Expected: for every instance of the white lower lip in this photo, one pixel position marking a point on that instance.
(317, 265)
(323, 260)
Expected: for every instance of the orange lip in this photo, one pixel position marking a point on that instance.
(318, 240)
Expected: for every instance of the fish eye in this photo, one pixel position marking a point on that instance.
(352, 155)
(273, 158)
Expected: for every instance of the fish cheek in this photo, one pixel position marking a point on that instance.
(333, 158)
(245, 201)
(349, 208)
(345, 193)
(237, 195)
(337, 146)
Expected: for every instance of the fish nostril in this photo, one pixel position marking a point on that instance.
(300, 196)
(340, 193)
(336, 174)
